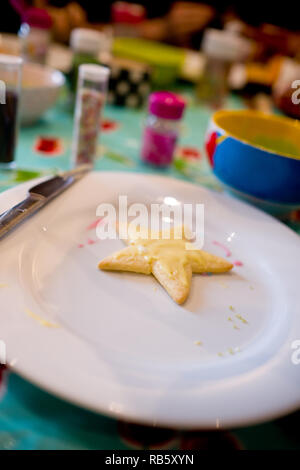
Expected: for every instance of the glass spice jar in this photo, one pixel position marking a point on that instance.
(162, 128)
(90, 99)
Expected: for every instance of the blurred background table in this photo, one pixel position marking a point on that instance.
(32, 419)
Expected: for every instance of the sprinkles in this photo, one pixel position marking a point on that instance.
(227, 251)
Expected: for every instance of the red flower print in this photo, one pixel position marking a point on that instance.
(210, 147)
(190, 153)
(107, 125)
(50, 146)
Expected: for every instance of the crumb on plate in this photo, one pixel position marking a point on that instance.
(242, 319)
(40, 320)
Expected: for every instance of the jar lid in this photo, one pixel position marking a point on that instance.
(86, 40)
(37, 18)
(94, 73)
(10, 60)
(127, 13)
(226, 45)
(166, 105)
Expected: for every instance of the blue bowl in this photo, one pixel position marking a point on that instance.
(257, 157)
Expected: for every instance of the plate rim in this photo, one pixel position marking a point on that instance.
(143, 420)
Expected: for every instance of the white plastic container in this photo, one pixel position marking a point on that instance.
(221, 50)
(85, 44)
(86, 41)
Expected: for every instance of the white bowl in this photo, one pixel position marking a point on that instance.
(40, 89)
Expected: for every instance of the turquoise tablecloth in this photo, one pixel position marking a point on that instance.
(32, 419)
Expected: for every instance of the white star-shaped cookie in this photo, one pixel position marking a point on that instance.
(171, 261)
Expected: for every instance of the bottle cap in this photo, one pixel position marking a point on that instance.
(127, 13)
(37, 18)
(86, 40)
(94, 73)
(226, 45)
(166, 105)
(10, 60)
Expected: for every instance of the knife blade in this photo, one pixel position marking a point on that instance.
(38, 196)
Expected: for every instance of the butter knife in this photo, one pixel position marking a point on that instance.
(39, 196)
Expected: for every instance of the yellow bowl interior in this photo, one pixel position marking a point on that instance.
(271, 133)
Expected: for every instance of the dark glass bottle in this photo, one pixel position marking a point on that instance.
(10, 84)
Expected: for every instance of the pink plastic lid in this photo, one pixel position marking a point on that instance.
(37, 18)
(166, 105)
(127, 13)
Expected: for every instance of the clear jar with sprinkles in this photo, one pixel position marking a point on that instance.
(162, 128)
(90, 99)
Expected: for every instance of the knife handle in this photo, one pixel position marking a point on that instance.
(15, 215)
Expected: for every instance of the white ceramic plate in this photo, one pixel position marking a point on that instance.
(122, 346)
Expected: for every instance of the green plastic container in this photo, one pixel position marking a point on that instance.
(165, 61)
